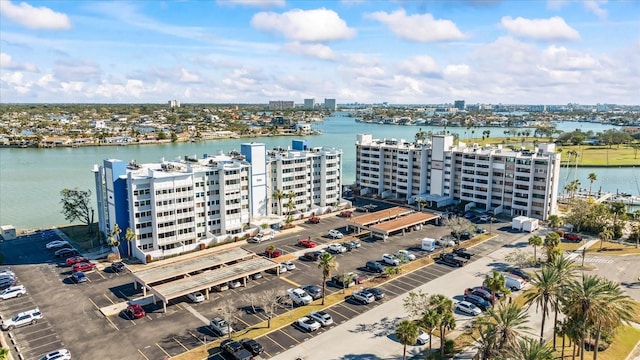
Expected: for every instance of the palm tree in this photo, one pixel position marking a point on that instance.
(592, 177)
(551, 241)
(535, 241)
(545, 289)
(566, 271)
(605, 235)
(114, 238)
(485, 343)
(529, 349)
(430, 321)
(554, 221)
(407, 334)
(509, 320)
(327, 263)
(443, 306)
(278, 195)
(129, 235)
(495, 282)
(617, 208)
(617, 308)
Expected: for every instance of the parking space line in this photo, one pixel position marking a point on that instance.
(178, 341)
(289, 281)
(242, 321)
(111, 301)
(32, 348)
(294, 339)
(275, 342)
(160, 347)
(190, 333)
(143, 355)
(269, 355)
(348, 308)
(100, 273)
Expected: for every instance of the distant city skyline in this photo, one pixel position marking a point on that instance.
(256, 51)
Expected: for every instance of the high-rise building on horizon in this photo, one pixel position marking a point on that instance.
(459, 104)
(309, 104)
(281, 105)
(330, 104)
(174, 103)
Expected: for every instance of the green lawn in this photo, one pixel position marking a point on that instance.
(625, 340)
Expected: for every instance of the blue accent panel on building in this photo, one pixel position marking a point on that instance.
(245, 149)
(300, 145)
(120, 199)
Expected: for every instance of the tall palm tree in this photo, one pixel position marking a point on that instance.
(605, 235)
(407, 334)
(290, 204)
(327, 263)
(495, 282)
(129, 235)
(545, 288)
(566, 270)
(485, 343)
(617, 308)
(554, 221)
(529, 349)
(278, 195)
(535, 241)
(618, 209)
(510, 320)
(551, 241)
(430, 321)
(592, 177)
(443, 306)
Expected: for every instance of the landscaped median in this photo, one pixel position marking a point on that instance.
(289, 317)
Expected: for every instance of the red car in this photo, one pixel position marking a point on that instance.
(135, 311)
(307, 243)
(346, 214)
(573, 237)
(313, 220)
(76, 260)
(84, 266)
(272, 253)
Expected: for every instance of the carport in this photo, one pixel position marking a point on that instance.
(175, 279)
(386, 228)
(379, 216)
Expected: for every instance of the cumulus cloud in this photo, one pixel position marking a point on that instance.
(419, 65)
(67, 70)
(456, 70)
(187, 77)
(319, 51)
(420, 28)
(34, 17)
(304, 25)
(6, 62)
(563, 59)
(594, 6)
(554, 28)
(254, 3)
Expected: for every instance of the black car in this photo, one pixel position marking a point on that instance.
(236, 350)
(117, 266)
(66, 252)
(349, 245)
(253, 346)
(314, 291)
(520, 273)
(377, 293)
(374, 266)
(465, 235)
(478, 301)
(311, 255)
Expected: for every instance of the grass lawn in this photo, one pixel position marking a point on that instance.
(79, 234)
(611, 248)
(625, 340)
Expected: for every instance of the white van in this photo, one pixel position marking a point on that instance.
(428, 244)
(513, 283)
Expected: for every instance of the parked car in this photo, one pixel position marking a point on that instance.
(283, 268)
(29, 317)
(57, 244)
(479, 229)
(220, 326)
(374, 266)
(356, 277)
(307, 324)
(307, 243)
(135, 311)
(520, 273)
(468, 308)
(335, 234)
(343, 281)
(60, 354)
(355, 243)
(234, 284)
(79, 277)
(256, 276)
(6, 271)
(64, 252)
(314, 291)
(252, 346)
(452, 259)
(117, 266)
(349, 245)
(272, 253)
(463, 253)
(221, 287)
(423, 337)
(13, 291)
(478, 301)
(289, 265)
(312, 255)
(76, 260)
(572, 237)
(336, 249)
(196, 297)
(321, 317)
(485, 218)
(346, 213)
(363, 297)
(236, 350)
(299, 296)
(85, 266)
(378, 294)
(404, 255)
(314, 220)
(479, 291)
(7, 281)
(262, 236)
(390, 260)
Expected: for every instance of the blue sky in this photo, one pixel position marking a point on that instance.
(244, 51)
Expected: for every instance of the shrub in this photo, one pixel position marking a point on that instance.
(449, 347)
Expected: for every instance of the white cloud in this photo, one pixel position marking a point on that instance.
(554, 28)
(319, 51)
(34, 17)
(6, 62)
(594, 6)
(304, 25)
(419, 65)
(255, 3)
(563, 59)
(45, 80)
(421, 28)
(72, 70)
(187, 77)
(456, 70)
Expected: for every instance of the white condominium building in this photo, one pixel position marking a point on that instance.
(489, 178)
(178, 206)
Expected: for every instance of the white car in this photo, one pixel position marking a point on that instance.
(336, 249)
(289, 265)
(22, 319)
(335, 234)
(283, 268)
(299, 296)
(485, 218)
(363, 297)
(233, 284)
(60, 354)
(423, 337)
(6, 271)
(56, 244)
(405, 254)
(322, 317)
(196, 297)
(262, 236)
(390, 260)
(468, 308)
(13, 291)
(220, 326)
(308, 324)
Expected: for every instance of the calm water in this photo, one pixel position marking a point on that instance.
(31, 179)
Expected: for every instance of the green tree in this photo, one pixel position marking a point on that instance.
(565, 268)
(618, 209)
(277, 196)
(592, 177)
(76, 206)
(162, 135)
(327, 263)
(605, 235)
(617, 308)
(535, 241)
(496, 283)
(509, 320)
(551, 241)
(443, 306)
(114, 238)
(529, 349)
(546, 285)
(430, 321)
(129, 235)
(407, 334)
(290, 204)
(554, 221)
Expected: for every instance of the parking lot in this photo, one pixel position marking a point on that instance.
(71, 311)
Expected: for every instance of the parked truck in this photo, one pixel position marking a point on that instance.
(452, 259)
(463, 252)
